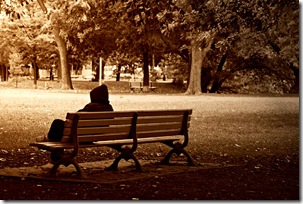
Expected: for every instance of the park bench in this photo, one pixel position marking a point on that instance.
(139, 85)
(122, 131)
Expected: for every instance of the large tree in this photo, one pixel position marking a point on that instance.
(256, 49)
(57, 20)
(22, 30)
(140, 31)
(93, 33)
(204, 21)
(54, 19)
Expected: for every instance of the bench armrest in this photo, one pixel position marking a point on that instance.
(184, 130)
(74, 134)
(133, 132)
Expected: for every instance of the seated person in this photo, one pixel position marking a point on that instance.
(99, 102)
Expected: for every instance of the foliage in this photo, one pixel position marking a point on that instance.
(243, 33)
(4, 52)
(176, 68)
(15, 61)
(27, 36)
(253, 50)
(227, 38)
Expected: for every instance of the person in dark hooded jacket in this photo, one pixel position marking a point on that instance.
(99, 102)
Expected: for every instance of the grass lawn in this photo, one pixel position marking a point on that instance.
(85, 86)
(223, 127)
(258, 133)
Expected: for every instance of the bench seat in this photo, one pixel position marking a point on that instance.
(59, 145)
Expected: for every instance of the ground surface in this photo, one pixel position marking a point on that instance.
(259, 133)
(268, 180)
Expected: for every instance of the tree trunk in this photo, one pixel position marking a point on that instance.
(295, 88)
(217, 84)
(66, 82)
(145, 70)
(103, 71)
(35, 69)
(95, 67)
(206, 79)
(3, 72)
(194, 86)
(198, 54)
(118, 72)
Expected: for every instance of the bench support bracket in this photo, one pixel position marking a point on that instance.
(126, 154)
(178, 149)
(66, 161)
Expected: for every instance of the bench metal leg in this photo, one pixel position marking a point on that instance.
(126, 154)
(178, 149)
(66, 162)
(114, 165)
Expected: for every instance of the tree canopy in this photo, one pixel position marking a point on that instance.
(218, 41)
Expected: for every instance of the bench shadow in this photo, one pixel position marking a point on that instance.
(96, 173)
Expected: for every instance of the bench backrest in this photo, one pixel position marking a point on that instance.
(114, 125)
(139, 84)
(135, 84)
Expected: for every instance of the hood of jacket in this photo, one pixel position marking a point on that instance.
(99, 94)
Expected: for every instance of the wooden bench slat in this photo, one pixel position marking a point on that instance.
(102, 130)
(161, 112)
(104, 122)
(141, 126)
(104, 137)
(159, 119)
(158, 133)
(52, 145)
(58, 145)
(140, 140)
(118, 136)
(159, 139)
(100, 115)
(126, 128)
(165, 126)
(107, 142)
(121, 121)
(116, 114)
(159, 126)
